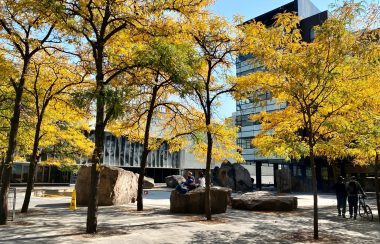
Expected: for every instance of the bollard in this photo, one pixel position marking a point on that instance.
(73, 203)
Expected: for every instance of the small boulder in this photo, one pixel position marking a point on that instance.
(264, 203)
(117, 186)
(173, 180)
(284, 180)
(148, 182)
(194, 201)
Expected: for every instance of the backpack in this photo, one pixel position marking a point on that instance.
(351, 188)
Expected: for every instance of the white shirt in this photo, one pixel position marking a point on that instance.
(202, 182)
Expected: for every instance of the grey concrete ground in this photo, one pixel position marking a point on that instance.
(51, 221)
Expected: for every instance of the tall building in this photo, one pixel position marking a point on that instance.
(263, 168)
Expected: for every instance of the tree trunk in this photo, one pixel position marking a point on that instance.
(377, 184)
(1, 167)
(32, 167)
(97, 158)
(7, 166)
(207, 176)
(315, 192)
(144, 156)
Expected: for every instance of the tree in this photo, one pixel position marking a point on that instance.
(109, 30)
(166, 67)
(322, 83)
(98, 23)
(49, 85)
(6, 99)
(217, 42)
(363, 136)
(25, 31)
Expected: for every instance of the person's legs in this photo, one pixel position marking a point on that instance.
(339, 204)
(350, 206)
(355, 202)
(344, 200)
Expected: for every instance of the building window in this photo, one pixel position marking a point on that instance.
(312, 34)
(245, 143)
(244, 120)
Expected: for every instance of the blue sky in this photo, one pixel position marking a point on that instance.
(250, 9)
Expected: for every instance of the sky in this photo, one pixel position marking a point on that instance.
(250, 9)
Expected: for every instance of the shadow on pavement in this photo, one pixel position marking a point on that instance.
(54, 205)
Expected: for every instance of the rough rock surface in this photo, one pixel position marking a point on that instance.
(234, 176)
(148, 182)
(194, 201)
(117, 186)
(284, 180)
(173, 180)
(255, 202)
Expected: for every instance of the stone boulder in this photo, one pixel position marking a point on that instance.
(148, 182)
(284, 180)
(368, 184)
(193, 202)
(234, 176)
(256, 202)
(117, 186)
(173, 180)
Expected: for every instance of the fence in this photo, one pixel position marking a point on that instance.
(11, 204)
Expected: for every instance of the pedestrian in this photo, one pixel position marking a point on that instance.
(353, 189)
(341, 196)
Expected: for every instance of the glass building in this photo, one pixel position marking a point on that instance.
(120, 152)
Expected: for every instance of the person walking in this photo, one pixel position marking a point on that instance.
(353, 189)
(341, 196)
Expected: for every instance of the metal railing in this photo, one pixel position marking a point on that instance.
(11, 204)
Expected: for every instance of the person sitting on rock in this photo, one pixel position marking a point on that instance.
(201, 180)
(181, 188)
(190, 181)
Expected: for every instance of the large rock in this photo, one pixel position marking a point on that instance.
(194, 201)
(117, 186)
(148, 182)
(234, 176)
(284, 180)
(173, 180)
(256, 202)
(368, 184)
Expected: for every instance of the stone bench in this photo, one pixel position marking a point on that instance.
(194, 201)
(264, 203)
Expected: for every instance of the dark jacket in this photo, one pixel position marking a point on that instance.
(354, 188)
(340, 189)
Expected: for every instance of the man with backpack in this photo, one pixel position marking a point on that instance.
(353, 189)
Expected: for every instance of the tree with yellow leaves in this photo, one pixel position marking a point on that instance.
(107, 31)
(217, 41)
(164, 69)
(48, 86)
(361, 139)
(6, 99)
(322, 83)
(25, 30)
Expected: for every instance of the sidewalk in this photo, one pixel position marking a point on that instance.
(50, 221)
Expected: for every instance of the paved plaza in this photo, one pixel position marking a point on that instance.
(51, 221)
